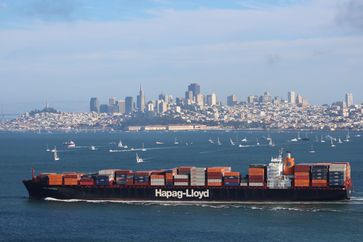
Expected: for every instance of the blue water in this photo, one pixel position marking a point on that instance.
(24, 219)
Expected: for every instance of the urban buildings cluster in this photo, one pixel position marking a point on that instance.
(198, 111)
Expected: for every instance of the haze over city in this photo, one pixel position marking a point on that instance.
(68, 51)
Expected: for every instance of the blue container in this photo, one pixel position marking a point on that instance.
(101, 180)
(231, 184)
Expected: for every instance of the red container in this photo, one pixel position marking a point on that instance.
(302, 168)
(86, 182)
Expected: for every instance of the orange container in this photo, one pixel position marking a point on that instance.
(319, 183)
(157, 176)
(55, 179)
(256, 171)
(70, 181)
(215, 184)
(231, 173)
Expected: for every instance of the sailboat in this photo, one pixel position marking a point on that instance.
(139, 159)
(159, 143)
(218, 141)
(312, 150)
(211, 141)
(92, 147)
(176, 142)
(257, 143)
(340, 141)
(47, 148)
(120, 144)
(244, 139)
(298, 136)
(347, 137)
(270, 143)
(231, 141)
(55, 153)
(322, 139)
(143, 147)
(332, 143)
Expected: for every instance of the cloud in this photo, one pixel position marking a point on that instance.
(351, 14)
(52, 9)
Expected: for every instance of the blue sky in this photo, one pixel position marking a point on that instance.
(67, 51)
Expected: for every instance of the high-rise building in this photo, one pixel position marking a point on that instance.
(129, 104)
(199, 100)
(150, 106)
(94, 105)
(212, 99)
(231, 100)
(189, 98)
(251, 99)
(141, 100)
(104, 108)
(349, 99)
(291, 97)
(194, 88)
(120, 106)
(163, 107)
(112, 101)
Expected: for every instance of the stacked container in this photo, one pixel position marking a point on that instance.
(184, 170)
(109, 172)
(337, 174)
(231, 178)
(130, 179)
(121, 176)
(181, 180)
(142, 178)
(197, 176)
(86, 180)
(102, 180)
(54, 179)
(215, 175)
(169, 178)
(157, 180)
(319, 175)
(302, 175)
(70, 179)
(257, 175)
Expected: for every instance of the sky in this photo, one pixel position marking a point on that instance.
(66, 51)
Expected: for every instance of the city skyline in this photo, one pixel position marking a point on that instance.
(67, 51)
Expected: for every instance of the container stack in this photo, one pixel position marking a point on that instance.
(337, 174)
(197, 176)
(86, 180)
(181, 180)
(157, 180)
(121, 176)
(302, 175)
(71, 179)
(319, 175)
(169, 180)
(215, 175)
(257, 175)
(109, 172)
(231, 178)
(102, 180)
(130, 179)
(142, 178)
(54, 179)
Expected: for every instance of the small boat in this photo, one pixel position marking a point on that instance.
(139, 159)
(55, 154)
(357, 135)
(257, 143)
(312, 150)
(47, 149)
(70, 144)
(92, 147)
(176, 142)
(294, 140)
(120, 145)
(332, 143)
(270, 143)
(347, 137)
(218, 141)
(298, 136)
(340, 141)
(211, 141)
(159, 143)
(231, 141)
(322, 139)
(244, 139)
(143, 147)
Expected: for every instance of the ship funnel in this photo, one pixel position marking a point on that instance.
(289, 164)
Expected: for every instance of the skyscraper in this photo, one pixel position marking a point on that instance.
(129, 104)
(141, 100)
(291, 97)
(120, 106)
(212, 99)
(94, 105)
(349, 99)
(231, 100)
(194, 88)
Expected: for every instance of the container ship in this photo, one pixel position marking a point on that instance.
(280, 180)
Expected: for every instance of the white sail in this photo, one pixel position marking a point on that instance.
(55, 153)
(218, 141)
(139, 159)
(231, 141)
(120, 144)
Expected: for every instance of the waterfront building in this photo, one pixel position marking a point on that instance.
(94, 105)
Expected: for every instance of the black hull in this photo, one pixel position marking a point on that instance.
(200, 194)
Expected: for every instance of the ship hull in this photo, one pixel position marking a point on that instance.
(198, 194)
